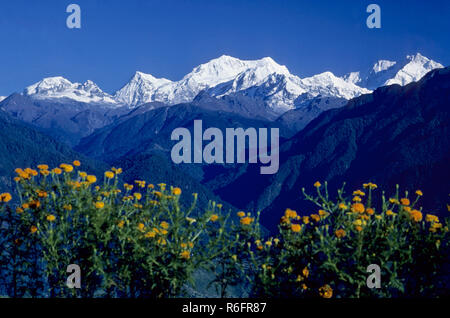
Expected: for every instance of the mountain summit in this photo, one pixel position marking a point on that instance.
(60, 88)
(411, 69)
(264, 81)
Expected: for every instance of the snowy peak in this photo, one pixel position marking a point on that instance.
(384, 72)
(329, 85)
(140, 89)
(415, 68)
(144, 88)
(2, 98)
(60, 88)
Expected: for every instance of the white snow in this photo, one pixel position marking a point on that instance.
(60, 88)
(3, 98)
(411, 69)
(263, 79)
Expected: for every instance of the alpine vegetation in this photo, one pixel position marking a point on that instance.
(213, 152)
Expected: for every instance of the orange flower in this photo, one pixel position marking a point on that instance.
(358, 207)
(404, 201)
(109, 174)
(296, 228)
(290, 213)
(33, 229)
(76, 163)
(317, 184)
(241, 214)
(247, 220)
(5, 197)
(176, 191)
(185, 255)
(415, 215)
(315, 217)
(326, 291)
(214, 218)
(340, 233)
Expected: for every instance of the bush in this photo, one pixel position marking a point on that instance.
(138, 241)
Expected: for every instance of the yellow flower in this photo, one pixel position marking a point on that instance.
(121, 224)
(305, 272)
(357, 222)
(431, 218)
(416, 215)
(370, 211)
(99, 205)
(5, 197)
(435, 226)
(234, 257)
(340, 233)
(185, 255)
(141, 226)
(378, 217)
(51, 217)
(393, 201)
(317, 184)
(404, 201)
(42, 167)
(76, 163)
(358, 207)
(241, 214)
(342, 206)
(419, 193)
(214, 218)
(358, 228)
(164, 225)
(109, 174)
(268, 243)
(370, 185)
(315, 217)
(389, 212)
(82, 174)
(158, 194)
(150, 234)
(296, 228)
(33, 229)
(247, 220)
(91, 179)
(323, 213)
(326, 291)
(138, 196)
(66, 167)
(290, 213)
(176, 191)
(67, 207)
(359, 193)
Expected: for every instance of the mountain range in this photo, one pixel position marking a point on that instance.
(260, 89)
(388, 124)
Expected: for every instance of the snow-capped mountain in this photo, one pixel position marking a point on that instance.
(384, 72)
(55, 88)
(146, 88)
(283, 91)
(2, 98)
(264, 80)
(140, 89)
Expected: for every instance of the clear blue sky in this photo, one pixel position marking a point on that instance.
(167, 38)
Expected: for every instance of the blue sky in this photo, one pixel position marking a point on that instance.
(167, 38)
